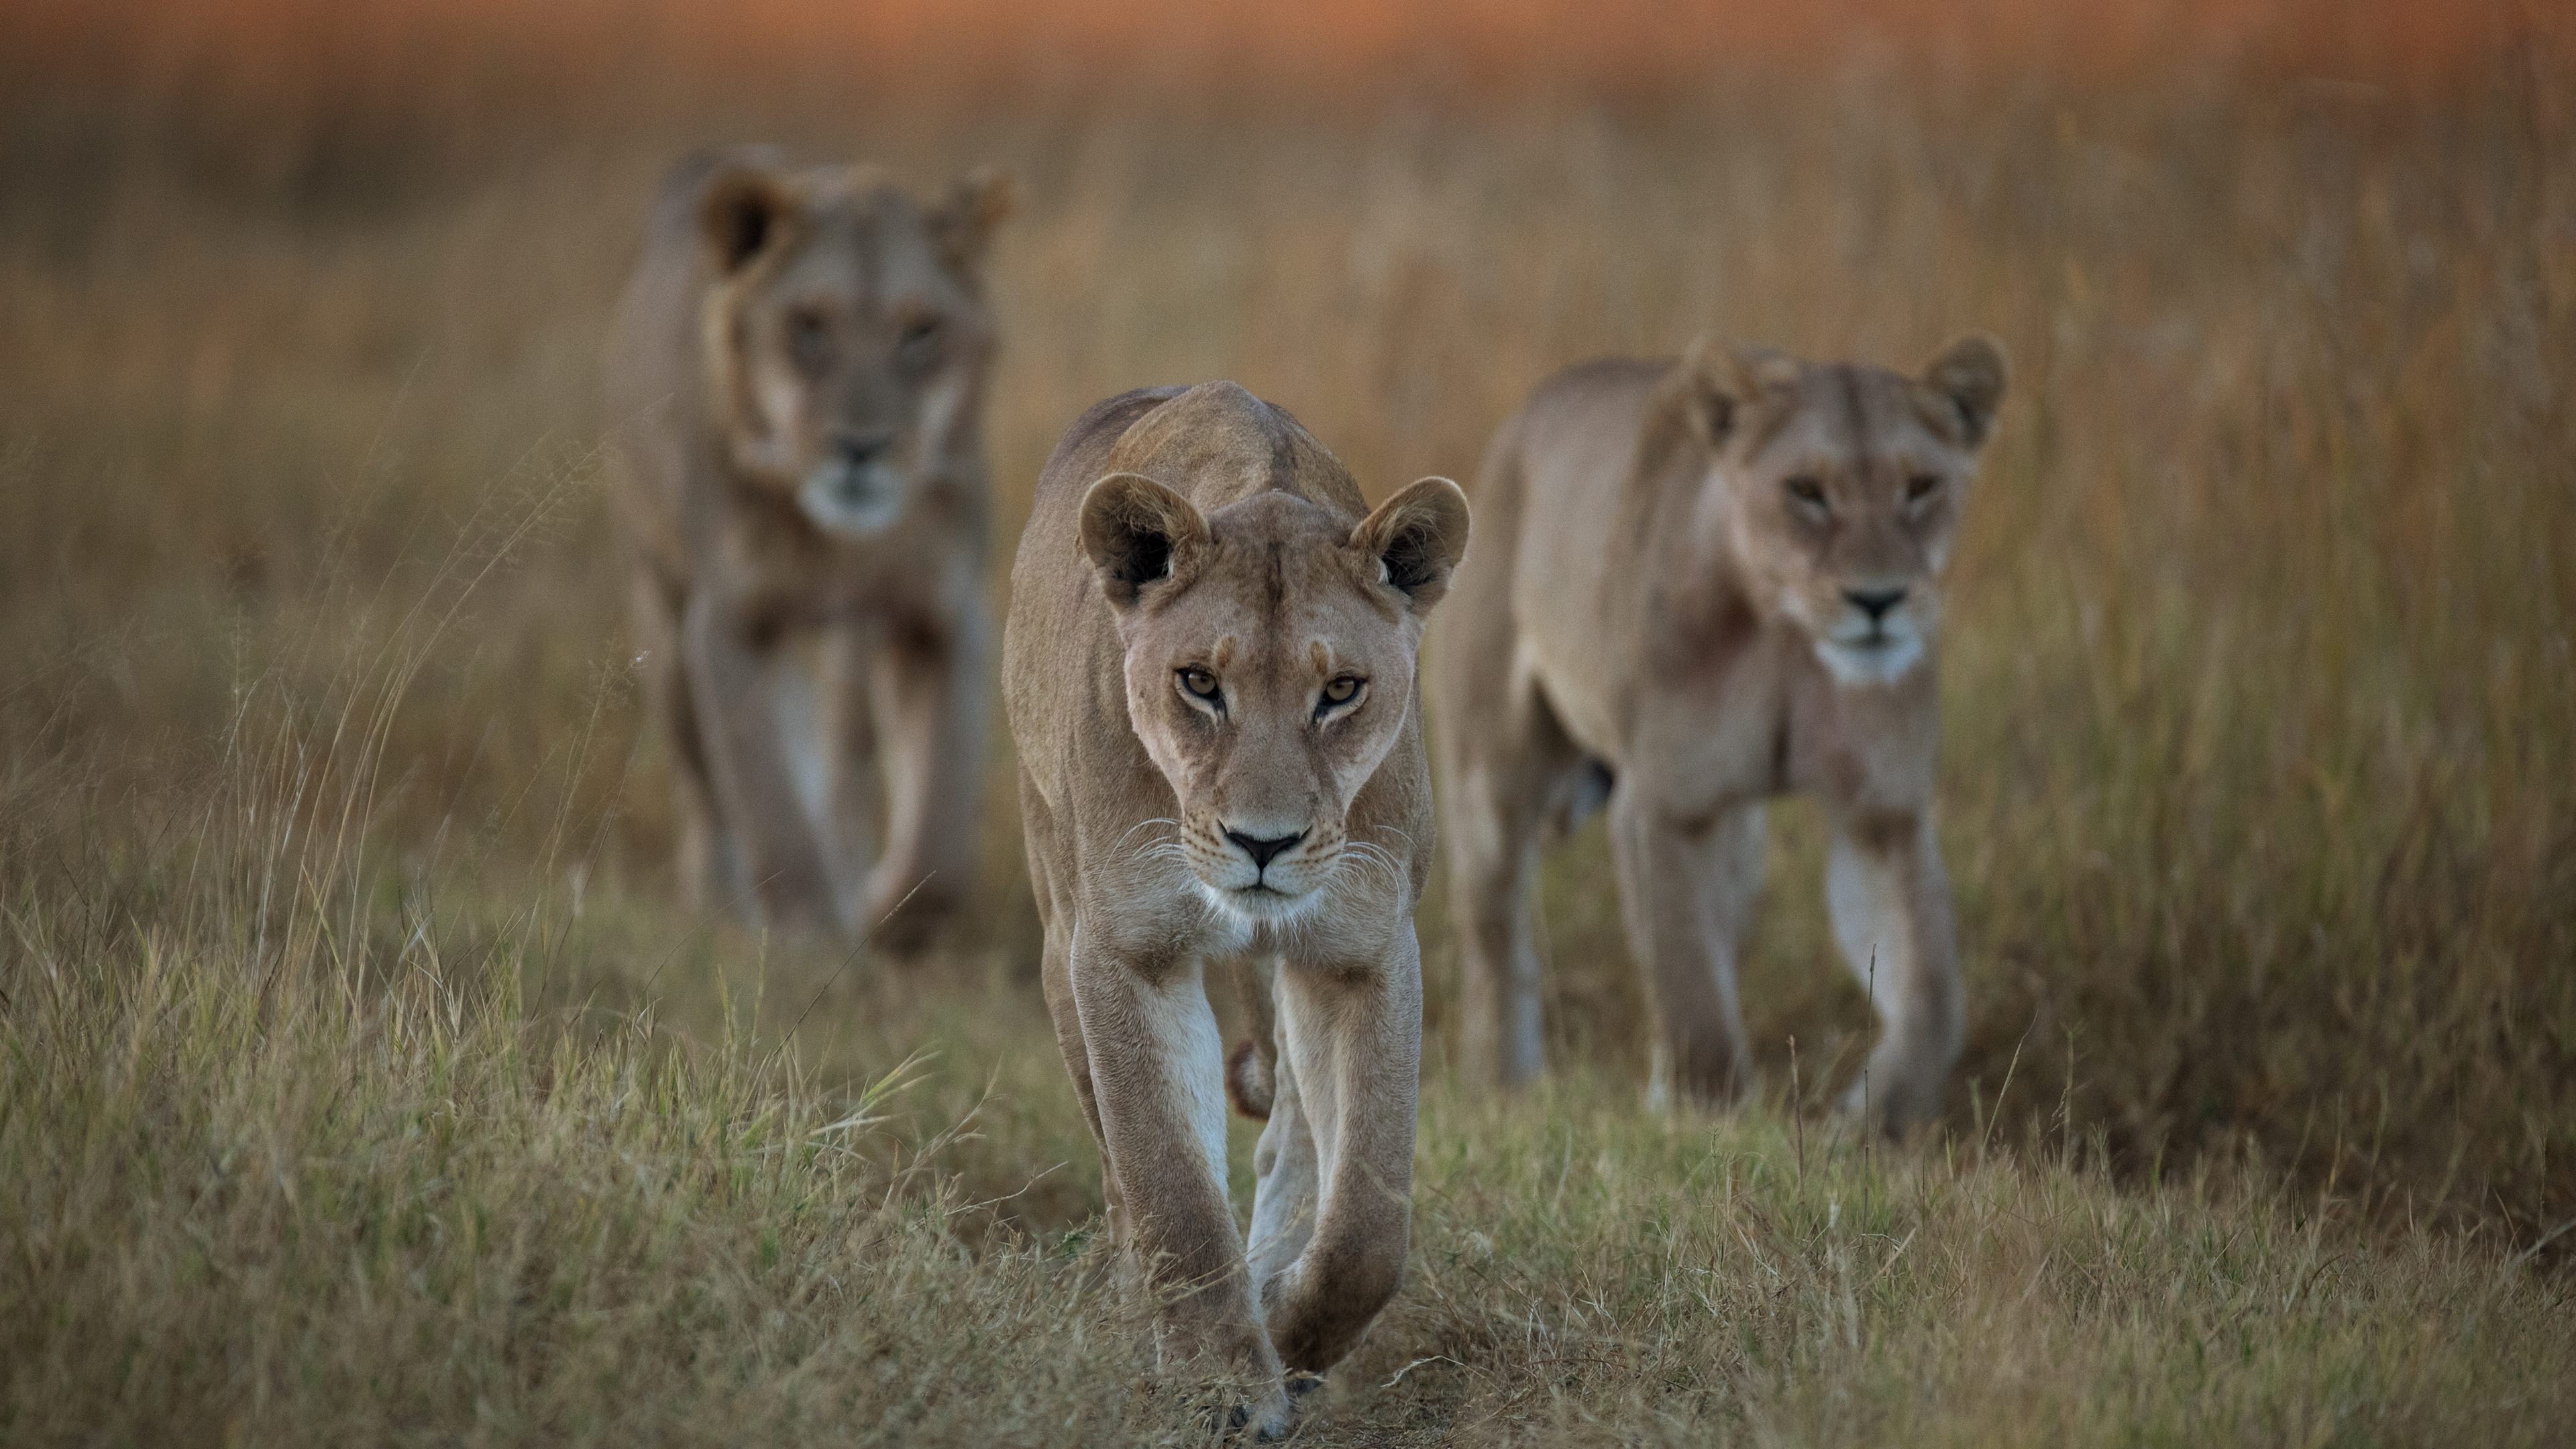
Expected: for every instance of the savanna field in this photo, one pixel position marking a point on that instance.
(362, 1081)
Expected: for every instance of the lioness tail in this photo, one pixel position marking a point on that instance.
(1248, 1082)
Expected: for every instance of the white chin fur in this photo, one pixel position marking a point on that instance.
(1256, 907)
(1883, 663)
(852, 502)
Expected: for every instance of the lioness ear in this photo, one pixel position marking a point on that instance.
(1693, 395)
(1761, 372)
(1132, 527)
(745, 210)
(1970, 374)
(965, 221)
(1417, 537)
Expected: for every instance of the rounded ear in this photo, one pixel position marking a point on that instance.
(1417, 537)
(1712, 392)
(965, 220)
(1694, 397)
(1970, 373)
(745, 210)
(1132, 527)
(1762, 371)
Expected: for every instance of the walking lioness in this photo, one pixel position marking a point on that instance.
(795, 394)
(1708, 583)
(1209, 668)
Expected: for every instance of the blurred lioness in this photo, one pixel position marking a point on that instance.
(1209, 667)
(1707, 583)
(795, 393)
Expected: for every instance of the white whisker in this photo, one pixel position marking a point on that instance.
(1398, 834)
(1139, 825)
(1366, 862)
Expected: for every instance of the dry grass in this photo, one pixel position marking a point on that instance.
(332, 1169)
(360, 1086)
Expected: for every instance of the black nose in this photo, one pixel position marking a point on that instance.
(860, 449)
(1875, 602)
(1263, 851)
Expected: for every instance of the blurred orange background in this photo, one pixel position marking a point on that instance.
(1021, 50)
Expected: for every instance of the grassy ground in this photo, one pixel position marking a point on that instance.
(362, 1085)
(345, 1167)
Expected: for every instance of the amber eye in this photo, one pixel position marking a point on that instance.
(1341, 690)
(1921, 487)
(1806, 490)
(1197, 683)
(809, 339)
(917, 344)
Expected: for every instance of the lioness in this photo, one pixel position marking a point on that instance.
(1209, 668)
(795, 392)
(1717, 582)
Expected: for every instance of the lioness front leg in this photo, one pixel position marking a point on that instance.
(1686, 890)
(1055, 975)
(1350, 1066)
(735, 694)
(708, 870)
(1156, 1068)
(854, 801)
(1890, 902)
(1502, 772)
(931, 712)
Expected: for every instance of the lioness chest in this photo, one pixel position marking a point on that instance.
(792, 577)
(1717, 722)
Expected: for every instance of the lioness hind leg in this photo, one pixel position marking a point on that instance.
(1890, 902)
(1286, 1179)
(1251, 1069)
(1686, 891)
(1351, 1044)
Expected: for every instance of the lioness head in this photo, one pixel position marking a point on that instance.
(846, 335)
(1269, 659)
(1838, 488)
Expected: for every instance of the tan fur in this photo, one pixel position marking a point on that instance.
(1247, 1080)
(1659, 622)
(1204, 530)
(795, 393)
